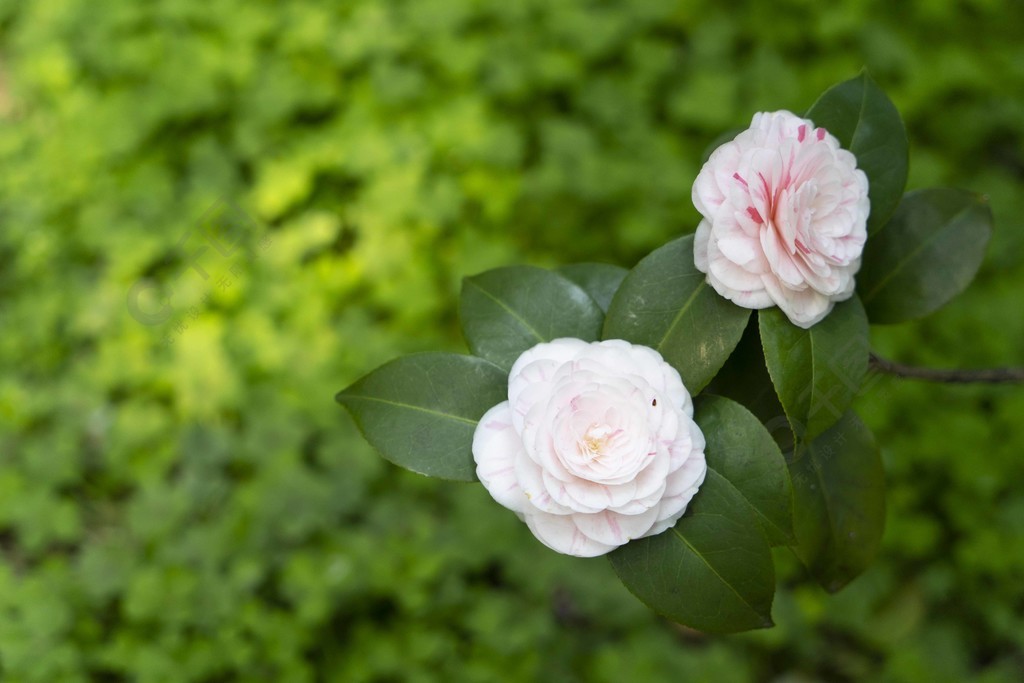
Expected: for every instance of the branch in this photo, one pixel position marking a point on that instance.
(987, 376)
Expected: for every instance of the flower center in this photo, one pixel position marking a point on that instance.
(595, 440)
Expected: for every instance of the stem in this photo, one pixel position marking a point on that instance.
(987, 376)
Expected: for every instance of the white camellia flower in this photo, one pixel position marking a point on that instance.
(785, 218)
(595, 446)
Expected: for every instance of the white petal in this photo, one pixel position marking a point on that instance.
(732, 275)
(781, 261)
(559, 533)
(653, 476)
(611, 528)
(538, 442)
(735, 244)
(531, 479)
(733, 282)
(558, 350)
(640, 505)
(659, 527)
(700, 246)
(803, 308)
(690, 475)
(620, 495)
(561, 493)
(586, 496)
(496, 446)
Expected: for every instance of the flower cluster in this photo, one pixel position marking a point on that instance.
(590, 436)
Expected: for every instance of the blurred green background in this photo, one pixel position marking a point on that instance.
(180, 498)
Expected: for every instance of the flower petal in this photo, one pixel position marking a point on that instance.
(559, 533)
(804, 307)
(496, 447)
(614, 529)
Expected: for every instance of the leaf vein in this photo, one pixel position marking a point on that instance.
(713, 570)
(510, 311)
(902, 263)
(679, 316)
(410, 406)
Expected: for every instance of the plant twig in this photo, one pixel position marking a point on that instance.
(985, 376)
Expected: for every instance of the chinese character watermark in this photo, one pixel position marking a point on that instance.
(215, 250)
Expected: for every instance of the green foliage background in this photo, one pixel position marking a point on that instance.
(185, 502)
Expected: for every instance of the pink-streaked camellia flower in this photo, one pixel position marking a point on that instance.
(595, 446)
(785, 218)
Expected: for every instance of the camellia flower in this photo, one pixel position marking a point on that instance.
(595, 446)
(785, 218)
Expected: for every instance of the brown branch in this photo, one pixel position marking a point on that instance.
(986, 376)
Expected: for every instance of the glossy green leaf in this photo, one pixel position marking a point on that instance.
(867, 123)
(817, 371)
(744, 378)
(599, 280)
(927, 254)
(838, 502)
(741, 450)
(712, 571)
(509, 310)
(666, 304)
(420, 411)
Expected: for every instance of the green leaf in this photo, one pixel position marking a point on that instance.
(867, 123)
(927, 254)
(509, 310)
(420, 411)
(818, 371)
(744, 378)
(741, 450)
(665, 303)
(599, 280)
(838, 502)
(712, 571)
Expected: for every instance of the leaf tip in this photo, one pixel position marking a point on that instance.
(343, 395)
